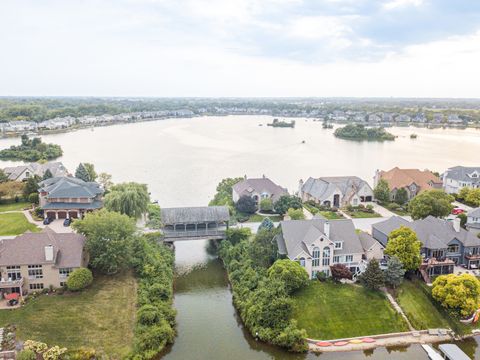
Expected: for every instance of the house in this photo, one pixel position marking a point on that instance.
(444, 243)
(414, 181)
(69, 197)
(336, 191)
(318, 243)
(258, 189)
(35, 261)
(458, 177)
(473, 221)
(23, 172)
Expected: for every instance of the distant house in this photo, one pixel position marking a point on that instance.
(69, 197)
(35, 261)
(319, 243)
(444, 242)
(23, 172)
(414, 181)
(473, 220)
(458, 177)
(336, 191)
(258, 189)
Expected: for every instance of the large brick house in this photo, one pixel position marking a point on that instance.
(69, 197)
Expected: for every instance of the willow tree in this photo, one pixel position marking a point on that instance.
(131, 199)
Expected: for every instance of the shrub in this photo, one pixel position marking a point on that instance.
(79, 279)
(321, 276)
(83, 353)
(33, 198)
(266, 205)
(54, 353)
(36, 346)
(340, 271)
(296, 214)
(246, 205)
(26, 355)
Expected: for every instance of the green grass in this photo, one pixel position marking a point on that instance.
(258, 218)
(331, 311)
(100, 317)
(14, 206)
(15, 224)
(418, 307)
(362, 214)
(331, 215)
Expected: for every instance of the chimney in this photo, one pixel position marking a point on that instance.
(456, 224)
(264, 176)
(49, 253)
(326, 229)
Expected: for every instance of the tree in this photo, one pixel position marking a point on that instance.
(291, 273)
(432, 202)
(473, 197)
(11, 189)
(79, 279)
(3, 176)
(286, 202)
(130, 199)
(266, 224)
(109, 235)
(382, 191)
(404, 244)
(92, 175)
(263, 249)
(340, 271)
(82, 173)
(33, 198)
(401, 196)
(458, 293)
(394, 272)
(224, 189)
(246, 205)
(105, 180)
(266, 205)
(236, 235)
(373, 277)
(31, 186)
(47, 174)
(296, 214)
(463, 219)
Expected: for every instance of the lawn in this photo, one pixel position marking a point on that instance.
(359, 214)
(418, 307)
(101, 317)
(331, 311)
(14, 206)
(15, 224)
(258, 217)
(331, 215)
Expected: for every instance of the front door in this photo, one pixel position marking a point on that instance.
(336, 200)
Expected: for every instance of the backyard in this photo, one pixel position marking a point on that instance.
(15, 223)
(101, 317)
(328, 311)
(14, 206)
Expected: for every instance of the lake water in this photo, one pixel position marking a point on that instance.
(182, 160)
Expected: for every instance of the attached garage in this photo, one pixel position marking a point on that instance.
(62, 214)
(73, 214)
(51, 215)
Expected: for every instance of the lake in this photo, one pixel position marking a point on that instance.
(182, 160)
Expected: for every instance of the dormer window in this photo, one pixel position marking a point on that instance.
(338, 245)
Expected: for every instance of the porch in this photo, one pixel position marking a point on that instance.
(7, 289)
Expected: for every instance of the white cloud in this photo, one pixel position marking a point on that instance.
(394, 4)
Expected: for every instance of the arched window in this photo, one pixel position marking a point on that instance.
(302, 261)
(326, 256)
(316, 256)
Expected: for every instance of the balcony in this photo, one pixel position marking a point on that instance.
(5, 284)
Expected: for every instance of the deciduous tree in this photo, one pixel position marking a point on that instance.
(290, 273)
(432, 202)
(286, 202)
(404, 244)
(401, 197)
(340, 271)
(246, 205)
(382, 191)
(458, 293)
(130, 199)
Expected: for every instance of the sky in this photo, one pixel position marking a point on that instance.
(240, 48)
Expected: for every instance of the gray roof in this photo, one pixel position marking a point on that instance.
(70, 205)
(462, 173)
(29, 249)
(69, 187)
(297, 235)
(192, 215)
(434, 233)
(474, 213)
(323, 187)
(261, 185)
(56, 168)
(453, 352)
(367, 240)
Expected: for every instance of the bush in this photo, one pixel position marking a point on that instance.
(79, 279)
(33, 198)
(266, 205)
(26, 355)
(296, 214)
(83, 353)
(36, 346)
(246, 205)
(321, 276)
(340, 271)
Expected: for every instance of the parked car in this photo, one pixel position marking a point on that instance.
(47, 221)
(457, 211)
(67, 222)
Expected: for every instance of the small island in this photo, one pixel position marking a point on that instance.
(277, 123)
(31, 150)
(359, 132)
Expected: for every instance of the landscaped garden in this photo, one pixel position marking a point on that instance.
(100, 317)
(361, 211)
(329, 310)
(15, 224)
(326, 212)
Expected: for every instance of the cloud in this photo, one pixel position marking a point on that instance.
(395, 4)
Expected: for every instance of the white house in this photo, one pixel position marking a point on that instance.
(473, 220)
(458, 177)
(336, 191)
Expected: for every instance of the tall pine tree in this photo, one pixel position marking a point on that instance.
(47, 174)
(373, 277)
(395, 272)
(82, 173)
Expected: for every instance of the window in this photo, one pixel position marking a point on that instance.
(63, 283)
(453, 248)
(36, 286)
(339, 245)
(326, 256)
(64, 272)
(336, 259)
(302, 261)
(316, 256)
(348, 258)
(314, 274)
(437, 254)
(13, 273)
(35, 272)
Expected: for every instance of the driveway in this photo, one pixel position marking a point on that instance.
(462, 206)
(55, 225)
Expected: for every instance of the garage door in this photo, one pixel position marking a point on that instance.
(72, 214)
(62, 214)
(51, 214)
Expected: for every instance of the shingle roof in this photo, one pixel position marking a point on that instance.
(400, 178)
(13, 172)
(323, 187)
(367, 240)
(297, 235)
(56, 168)
(69, 187)
(474, 213)
(66, 206)
(29, 249)
(461, 173)
(192, 215)
(260, 185)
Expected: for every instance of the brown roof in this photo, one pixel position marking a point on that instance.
(399, 178)
(29, 249)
